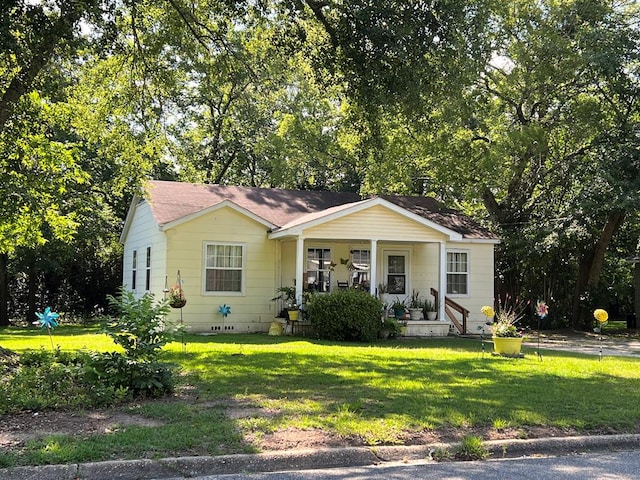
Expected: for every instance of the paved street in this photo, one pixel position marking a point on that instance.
(600, 466)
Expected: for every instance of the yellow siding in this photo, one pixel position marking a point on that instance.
(481, 282)
(375, 222)
(251, 311)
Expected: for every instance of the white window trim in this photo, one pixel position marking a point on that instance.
(361, 249)
(242, 292)
(446, 272)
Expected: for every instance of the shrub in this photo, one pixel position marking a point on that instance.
(346, 315)
(44, 380)
(136, 378)
(139, 327)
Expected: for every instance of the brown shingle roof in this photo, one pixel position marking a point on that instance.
(171, 201)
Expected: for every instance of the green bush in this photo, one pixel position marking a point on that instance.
(42, 380)
(136, 378)
(349, 314)
(140, 327)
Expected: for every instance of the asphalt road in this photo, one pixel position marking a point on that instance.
(591, 466)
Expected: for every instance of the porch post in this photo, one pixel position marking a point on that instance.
(373, 277)
(299, 268)
(442, 289)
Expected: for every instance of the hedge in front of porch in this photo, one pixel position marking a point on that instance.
(351, 315)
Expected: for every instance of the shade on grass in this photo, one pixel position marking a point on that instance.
(378, 392)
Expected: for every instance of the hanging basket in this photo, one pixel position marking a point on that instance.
(178, 303)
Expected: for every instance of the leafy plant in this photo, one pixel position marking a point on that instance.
(139, 327)
(471, 448)
(346, 315)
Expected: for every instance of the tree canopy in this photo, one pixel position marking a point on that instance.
(524, 115)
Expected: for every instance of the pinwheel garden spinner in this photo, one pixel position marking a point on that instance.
(47, 319)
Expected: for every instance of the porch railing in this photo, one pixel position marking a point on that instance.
(449, 307)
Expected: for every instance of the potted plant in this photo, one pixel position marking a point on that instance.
(383, 292)
(415, 306)
(507, 339)
(176, 297)
(398, 308)
(429, 309)
(390, 328)
(288, 297)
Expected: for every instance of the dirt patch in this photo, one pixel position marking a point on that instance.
(18, 428)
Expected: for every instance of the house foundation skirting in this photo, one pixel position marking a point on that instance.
(427, 328)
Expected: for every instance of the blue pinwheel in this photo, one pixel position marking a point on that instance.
(47, 319)
(224, 310)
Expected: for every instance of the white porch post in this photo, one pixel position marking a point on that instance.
(442, 289)
(299, 268)
(373, 277)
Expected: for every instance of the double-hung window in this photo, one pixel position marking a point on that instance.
(319, 269)
(360, 268)
(147, 278)
(457, 272)
(224, 267)
(134, 270)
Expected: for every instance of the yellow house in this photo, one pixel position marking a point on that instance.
(236, 246)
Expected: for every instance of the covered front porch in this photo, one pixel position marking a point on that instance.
(374, 245)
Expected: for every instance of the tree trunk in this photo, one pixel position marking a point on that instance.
(590, 269)
(4, 290)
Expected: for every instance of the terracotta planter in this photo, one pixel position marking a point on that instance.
(507, 345)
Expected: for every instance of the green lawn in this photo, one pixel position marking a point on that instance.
(378, 393)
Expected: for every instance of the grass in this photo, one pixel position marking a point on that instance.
(378, 393)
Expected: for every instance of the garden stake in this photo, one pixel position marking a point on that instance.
(541, 311)
(601, 316)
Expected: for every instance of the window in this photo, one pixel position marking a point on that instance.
(319, 269)
(147, 280)
(396, 274)
(224, 267)
(360, 268)
(457, 273)
(134, 270)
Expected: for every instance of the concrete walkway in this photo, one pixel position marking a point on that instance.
(586, 343)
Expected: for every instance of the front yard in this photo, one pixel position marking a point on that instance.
(246, 393)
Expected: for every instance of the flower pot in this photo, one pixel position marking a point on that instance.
(415, 313)
(293, 315)
(398, 313)
(507, 345)
(403, 330)
(384, 298)
(432, 315)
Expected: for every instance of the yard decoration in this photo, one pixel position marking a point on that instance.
(224, 310)
(507, 339)
(602, 317)
(489, 313)
(47, 319)
(542, 310)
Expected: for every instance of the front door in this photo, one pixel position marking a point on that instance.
(396, 273)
